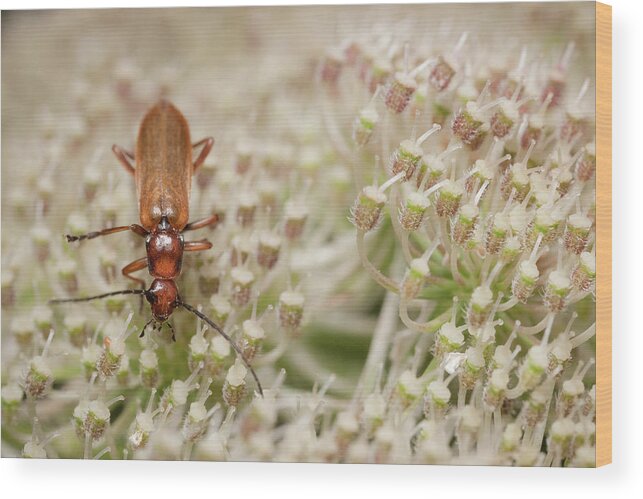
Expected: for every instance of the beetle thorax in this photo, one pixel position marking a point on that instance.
(164, 247)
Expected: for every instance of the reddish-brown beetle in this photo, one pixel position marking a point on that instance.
(163, 176)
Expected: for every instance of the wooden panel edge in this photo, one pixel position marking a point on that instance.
(603, 234)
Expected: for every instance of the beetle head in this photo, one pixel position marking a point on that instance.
(163, 297)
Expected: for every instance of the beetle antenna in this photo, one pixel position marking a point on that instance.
(228, 339)
(104, 295)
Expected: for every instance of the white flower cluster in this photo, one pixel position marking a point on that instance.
(493, 213)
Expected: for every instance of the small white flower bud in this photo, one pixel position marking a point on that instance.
(503, 120)
(430, 169)
(547, 223)
(295, 219)
(242, 280)
(76, 327)
(196, 422)
(367, 210)
(241, 248)
(41, 237)
(252, 337)
(439, 394)
(43, 319)
(472, 368)
(511, 249)
(469, 126)
(398, 93)
(149, 368)
(122, 375)
(110, 358)
(584, 274)
(528, 456)
(415, 277)
(561, 434)
(331, 67)
(219, 350)
(465, 224)
(434, 451)
(409, 387)
(23, 330)
(248, 201)
(198, 350)
(268, 249)
(143, 427)
(39, 378)
(243, 157)
(496, 234)
(11, 399)
(479, 306)
(385, 437)
(441, 74)
(45, 187)
(374, 411)
(494, 393)
(584, 432)
(96, 419)
(34, 450)
(176, 395)
(291, 310)
(7, 280)
(561, 352)
(364, 125)
(380, 71)
(220, 347)
(585, 457)
(533, 367)
(448, 199)
(577, 233)
(586, 165)
(359, 452)
(221, 309)
(405, 159)
(570, 393)
(412, 211)
(67, 270)
(525, 280)
(556, 291)
(449, 339)
(89, 358)
(511, 437)
(516, 179)
(92, 177)
(470, 419)
(234, 387)
(347, 428)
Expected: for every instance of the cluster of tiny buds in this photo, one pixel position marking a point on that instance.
(501, 196)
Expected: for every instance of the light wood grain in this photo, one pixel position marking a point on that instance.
(603, 234)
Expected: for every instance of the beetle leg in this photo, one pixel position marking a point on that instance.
(137, 229)
(207, 143)
(122, 155)
(201, 245)
(199, 224)
(136, 265)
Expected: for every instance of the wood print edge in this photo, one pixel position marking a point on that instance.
(603, 234)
